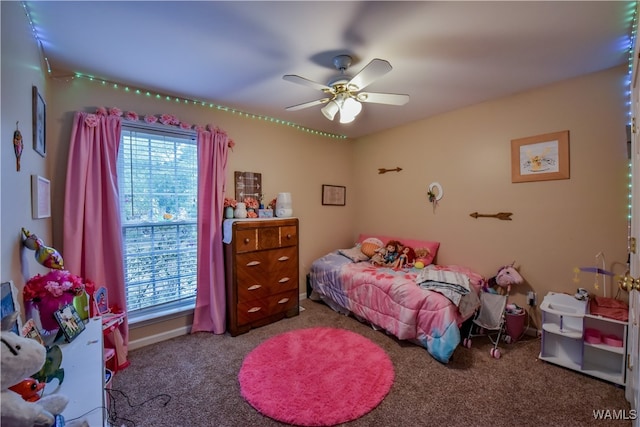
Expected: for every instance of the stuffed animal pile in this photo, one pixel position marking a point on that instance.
(21, 358)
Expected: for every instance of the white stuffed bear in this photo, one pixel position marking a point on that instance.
(21, 358)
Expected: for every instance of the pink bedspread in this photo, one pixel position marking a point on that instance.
(392, 300)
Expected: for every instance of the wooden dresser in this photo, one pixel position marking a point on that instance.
(261, 269)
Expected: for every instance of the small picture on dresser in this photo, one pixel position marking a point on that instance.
(70, 322)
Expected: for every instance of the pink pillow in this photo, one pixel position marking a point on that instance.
(415, 244)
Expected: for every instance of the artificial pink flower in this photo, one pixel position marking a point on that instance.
(251, 203)
(231, 144)
(101, 111)
(166, 119)
(130, 115)
(229, 202)
(150, 119)
(184, 125)
(52, 285)
(91, 120)
(200, 128)
(175, 121)
(115, 112)
(252, 214)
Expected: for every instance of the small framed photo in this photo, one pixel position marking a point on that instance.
(334, 195)
(70, 322)
(9, 304)
(39, 122)
(30, 330)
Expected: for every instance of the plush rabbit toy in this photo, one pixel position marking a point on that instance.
(22, 357)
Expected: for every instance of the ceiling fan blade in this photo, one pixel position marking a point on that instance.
(371, 72)
(383, 98)
(306, 82)
(308, 104)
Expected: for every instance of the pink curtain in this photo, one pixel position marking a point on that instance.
(209, 315)
(92, 236)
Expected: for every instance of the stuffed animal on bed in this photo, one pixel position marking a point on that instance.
(21, 357)
(502, 281)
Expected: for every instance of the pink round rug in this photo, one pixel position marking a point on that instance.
(316, 376)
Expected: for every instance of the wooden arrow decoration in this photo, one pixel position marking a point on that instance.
(383, 170)
(506, 216)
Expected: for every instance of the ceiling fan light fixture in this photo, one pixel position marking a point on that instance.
(349, 109)
(330, 110)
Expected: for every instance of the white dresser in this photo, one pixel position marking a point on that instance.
(82, 360)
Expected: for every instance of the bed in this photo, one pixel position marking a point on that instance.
(413, 304)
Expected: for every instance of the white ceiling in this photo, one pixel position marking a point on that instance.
(445, 55)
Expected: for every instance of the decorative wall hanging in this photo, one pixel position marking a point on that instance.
(248, 184)
(39, 123)
(383, 170)
(45, 255)
(540, 158)
(40, 197)
(17, 146)
(505, 216)
(334, 195)
(434, 194)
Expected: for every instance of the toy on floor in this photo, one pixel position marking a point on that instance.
(20, 358)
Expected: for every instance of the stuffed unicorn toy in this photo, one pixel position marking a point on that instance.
(507, 276)
(22, 357)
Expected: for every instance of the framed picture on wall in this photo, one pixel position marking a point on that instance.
(40, 197)
(540, 158)
(39, 122)
(334, 195)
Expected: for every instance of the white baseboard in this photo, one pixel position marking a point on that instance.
(142, 342)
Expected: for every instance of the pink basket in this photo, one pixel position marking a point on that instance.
(592, 336)
(612, 340)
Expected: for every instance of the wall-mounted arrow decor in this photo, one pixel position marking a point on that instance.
(500, 215)
(383, 170)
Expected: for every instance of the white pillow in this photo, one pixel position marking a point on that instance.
(354, 254)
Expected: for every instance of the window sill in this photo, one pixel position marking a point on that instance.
(139, 320)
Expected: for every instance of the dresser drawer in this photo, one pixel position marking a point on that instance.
(254, 311)
(261, 273)
(262, 238)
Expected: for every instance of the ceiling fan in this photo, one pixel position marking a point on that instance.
(343, 91)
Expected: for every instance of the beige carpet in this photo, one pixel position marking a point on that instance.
(198, 376)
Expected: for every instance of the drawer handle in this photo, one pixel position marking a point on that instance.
(254, 309)
(247, 240)
(283, 300)
(253, 263)
(283, 258)
(284, 280)
(254, 287)
(289, 236)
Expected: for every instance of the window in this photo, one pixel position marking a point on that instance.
(158, 184)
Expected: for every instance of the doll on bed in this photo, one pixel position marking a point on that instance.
(386, 255)
(405, 259)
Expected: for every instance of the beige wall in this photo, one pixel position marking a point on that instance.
(557, 225)
(21, 69)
